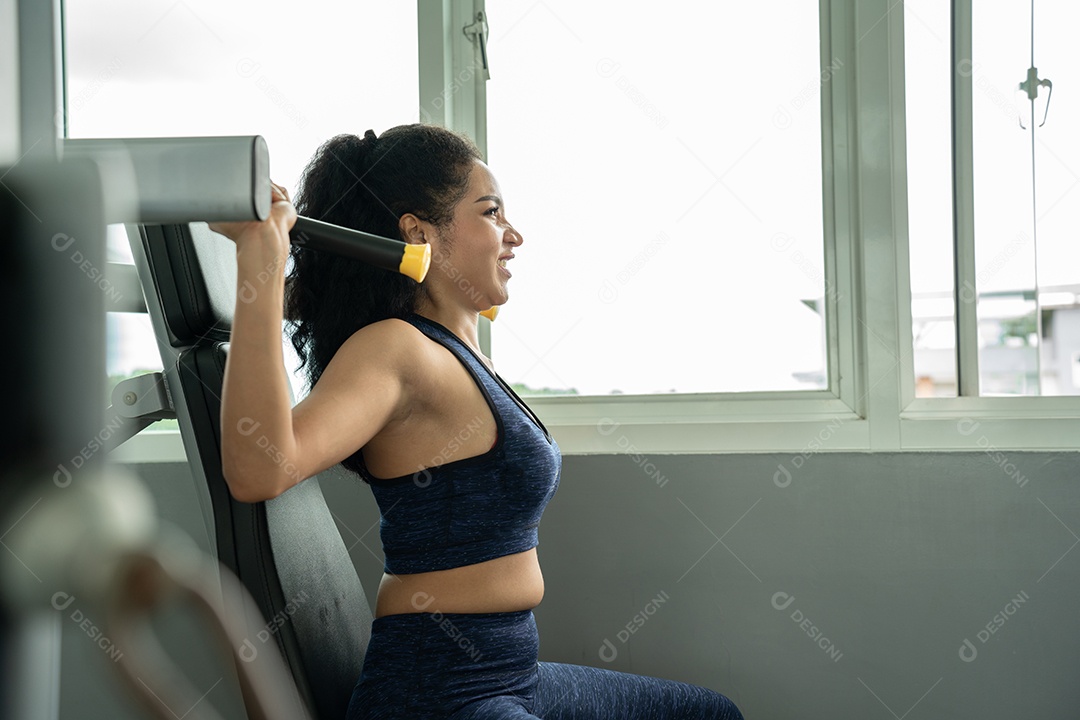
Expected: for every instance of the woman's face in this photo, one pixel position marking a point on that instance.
(473, 252)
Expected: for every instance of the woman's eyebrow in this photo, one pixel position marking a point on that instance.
(494, 198)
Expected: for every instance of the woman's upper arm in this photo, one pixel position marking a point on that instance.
(364, 387)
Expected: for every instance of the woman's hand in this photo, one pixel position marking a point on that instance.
(274, 230)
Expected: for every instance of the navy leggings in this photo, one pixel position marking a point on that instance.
(483, 666)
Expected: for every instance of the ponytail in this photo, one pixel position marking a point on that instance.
(367, 183)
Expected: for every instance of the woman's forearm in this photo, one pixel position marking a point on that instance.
(257, 441)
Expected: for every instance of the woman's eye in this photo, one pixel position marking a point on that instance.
(493, 211)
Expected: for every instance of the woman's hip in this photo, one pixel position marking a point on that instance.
(430, 664)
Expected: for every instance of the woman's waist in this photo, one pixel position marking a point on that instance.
(504, 584)
(446, 657)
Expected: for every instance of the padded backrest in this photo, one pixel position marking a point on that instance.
(287, 552)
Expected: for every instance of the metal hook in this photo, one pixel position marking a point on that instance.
(1031, 87)
(479, 30)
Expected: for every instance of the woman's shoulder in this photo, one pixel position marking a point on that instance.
(396, 353)
(392, 335)
(394, 341)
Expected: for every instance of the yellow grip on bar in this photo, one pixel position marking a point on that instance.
(491, 312)
(415, 261)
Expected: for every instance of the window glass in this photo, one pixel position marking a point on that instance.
(297, 74)
(1025, 176)
(927, 79)
(664, 167)
(1027, 201)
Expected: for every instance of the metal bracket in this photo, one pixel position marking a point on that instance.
(137, 403)
(144, 396)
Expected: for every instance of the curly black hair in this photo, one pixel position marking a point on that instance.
(367, 183)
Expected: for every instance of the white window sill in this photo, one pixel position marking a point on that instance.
(800, 423)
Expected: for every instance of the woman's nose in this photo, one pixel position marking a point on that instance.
(514, 236)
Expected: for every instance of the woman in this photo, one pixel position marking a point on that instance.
(402, 395)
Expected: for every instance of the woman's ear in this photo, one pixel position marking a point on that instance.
(412, 229)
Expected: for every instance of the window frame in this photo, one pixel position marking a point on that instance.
(871, 406)
(778, 420)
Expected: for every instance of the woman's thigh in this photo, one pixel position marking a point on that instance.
(578, 692)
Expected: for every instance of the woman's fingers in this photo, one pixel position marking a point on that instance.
(277, 191)
(281, 209)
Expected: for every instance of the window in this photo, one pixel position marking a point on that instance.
(1014, 200)
(665, 169)
(296, 76)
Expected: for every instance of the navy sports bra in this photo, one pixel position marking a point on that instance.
(478, 508)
